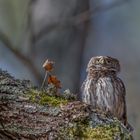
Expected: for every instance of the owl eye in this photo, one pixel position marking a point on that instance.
(108, 62)
(97, 61)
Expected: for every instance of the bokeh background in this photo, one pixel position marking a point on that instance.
(70, 32)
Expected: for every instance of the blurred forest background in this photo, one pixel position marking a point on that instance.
(70, 32)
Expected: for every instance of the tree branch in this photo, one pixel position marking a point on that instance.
(78, 19)
(25, 115)
(24, 59)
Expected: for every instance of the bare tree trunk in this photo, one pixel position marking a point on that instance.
(63, 39)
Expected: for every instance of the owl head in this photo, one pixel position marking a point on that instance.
(103, 63)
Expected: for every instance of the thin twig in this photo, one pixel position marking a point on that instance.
(44, 80)
(25, 60)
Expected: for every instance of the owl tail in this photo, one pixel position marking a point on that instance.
(129, 127)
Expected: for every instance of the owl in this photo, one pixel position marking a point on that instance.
(103, 89)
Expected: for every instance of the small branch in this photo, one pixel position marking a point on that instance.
(24, 59)
(43, 83)
(78, 19)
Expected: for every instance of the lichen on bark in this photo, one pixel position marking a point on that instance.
(28, 113)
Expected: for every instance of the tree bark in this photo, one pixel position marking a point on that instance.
(23, 119)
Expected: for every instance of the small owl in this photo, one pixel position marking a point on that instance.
(103, 89)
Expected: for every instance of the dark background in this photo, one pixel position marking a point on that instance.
(70, 32)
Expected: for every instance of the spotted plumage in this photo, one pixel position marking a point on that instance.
(103, 89)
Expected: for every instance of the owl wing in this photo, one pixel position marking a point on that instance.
(122, 94)
(82, 90)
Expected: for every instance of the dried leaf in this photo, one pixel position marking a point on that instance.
(53, 80)
(48, 65)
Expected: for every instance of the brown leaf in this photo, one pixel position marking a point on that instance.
(53, 80)
(48, 65)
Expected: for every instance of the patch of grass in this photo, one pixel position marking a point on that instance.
(104, 132)
(43, 98)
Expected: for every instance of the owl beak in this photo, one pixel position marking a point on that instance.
(102, 61)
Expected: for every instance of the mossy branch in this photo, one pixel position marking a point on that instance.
(29, 113)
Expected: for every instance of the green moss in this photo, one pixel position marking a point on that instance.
(43, 98)
(104, 132)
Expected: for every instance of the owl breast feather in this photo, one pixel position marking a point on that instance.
(105, 93)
